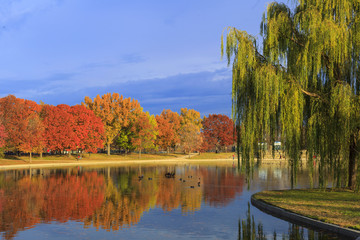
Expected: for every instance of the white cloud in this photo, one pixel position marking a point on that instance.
(16, 10)
(226, 75)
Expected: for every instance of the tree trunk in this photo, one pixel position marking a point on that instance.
(108, 149)
(140, 153)
(352, 163)
(30, 157)
(41, 155)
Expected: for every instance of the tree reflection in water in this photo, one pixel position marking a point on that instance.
(30, 199)
(249, 230)
(108, 198)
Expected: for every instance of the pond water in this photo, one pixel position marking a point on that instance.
(200, 202)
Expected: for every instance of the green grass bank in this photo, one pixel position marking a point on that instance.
(340, 206)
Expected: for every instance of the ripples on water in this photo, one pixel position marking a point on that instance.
(142, 203)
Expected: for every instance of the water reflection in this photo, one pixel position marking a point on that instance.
(199, 202)
(109, 198)
(28, 200)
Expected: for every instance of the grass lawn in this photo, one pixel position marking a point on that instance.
(340, 207)
(207, 155)
(87, 158)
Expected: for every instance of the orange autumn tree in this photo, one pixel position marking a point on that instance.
(190, 130)
(114, 111)
(22, 124)
(144, 132)
(168, 125)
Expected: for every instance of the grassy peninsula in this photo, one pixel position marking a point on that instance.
(340, 206)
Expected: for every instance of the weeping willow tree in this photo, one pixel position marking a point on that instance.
(301, 85)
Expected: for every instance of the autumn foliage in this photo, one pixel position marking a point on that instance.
(189, 132)
(218, 132)
(22, 124)
(72, 128)
(3, 136)
(88, 128)
(104, 122)
(59, 125)
(115, 112)
(168, 123)
(32, 128)
(145, 132)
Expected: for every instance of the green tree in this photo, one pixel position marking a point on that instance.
(123, 140)
(302, 85)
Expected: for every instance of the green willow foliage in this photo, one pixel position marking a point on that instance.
(302, 86)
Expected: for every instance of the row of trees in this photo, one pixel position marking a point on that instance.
(110, 121)
(128, 127)
(32, 128)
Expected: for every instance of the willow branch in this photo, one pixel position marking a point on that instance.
(311, 94)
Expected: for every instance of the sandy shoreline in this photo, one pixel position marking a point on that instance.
(130, 162)
(112, 163)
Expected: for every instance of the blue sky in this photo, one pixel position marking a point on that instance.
(166, 54)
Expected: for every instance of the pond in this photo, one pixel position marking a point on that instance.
(141, 202)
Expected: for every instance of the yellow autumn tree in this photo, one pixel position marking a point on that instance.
(189, 132)
(114, 111)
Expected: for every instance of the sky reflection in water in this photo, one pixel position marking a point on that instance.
(111, 203)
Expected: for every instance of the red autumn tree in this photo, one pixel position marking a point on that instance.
(59, 128)
(34, 135)
(22, 123)
(168, 125)
(88, 128)
(72, 128)
(218, 132)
